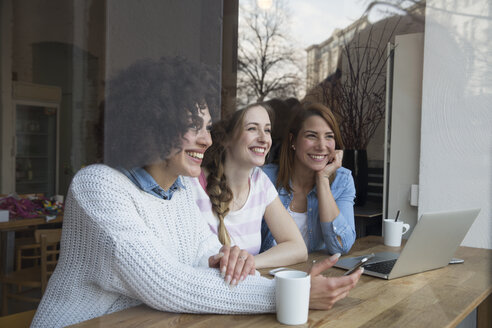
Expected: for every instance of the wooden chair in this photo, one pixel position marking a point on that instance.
(36, 276)
(30, 250)
(25, 240)
(18, 320)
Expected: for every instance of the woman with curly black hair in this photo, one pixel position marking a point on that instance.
(132, 233)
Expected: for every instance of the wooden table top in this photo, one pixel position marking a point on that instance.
(437, 298)
(17, 223)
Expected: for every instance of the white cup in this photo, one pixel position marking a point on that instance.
(393, 232)
(292, 296)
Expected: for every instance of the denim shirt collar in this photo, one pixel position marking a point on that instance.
(283, 191)
(335, 188)
(142, 179)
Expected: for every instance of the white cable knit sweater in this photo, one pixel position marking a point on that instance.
(122, 246)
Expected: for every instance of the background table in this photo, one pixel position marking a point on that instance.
(8, 229)
(368, 219)
(437, 298)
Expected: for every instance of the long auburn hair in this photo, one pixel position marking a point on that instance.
(223, 133)
(287, 154)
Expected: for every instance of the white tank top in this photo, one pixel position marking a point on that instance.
(301, 220)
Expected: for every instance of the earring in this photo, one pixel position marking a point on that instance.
(293, 147)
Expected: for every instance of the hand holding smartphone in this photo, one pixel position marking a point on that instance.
(361, 262)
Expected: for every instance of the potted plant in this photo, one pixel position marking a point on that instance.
(356, 92)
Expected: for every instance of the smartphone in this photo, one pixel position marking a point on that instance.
(361, 262)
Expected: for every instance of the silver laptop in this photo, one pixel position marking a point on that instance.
(431, 245)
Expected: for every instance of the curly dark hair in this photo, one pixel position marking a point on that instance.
(223, 132)
(149, 106)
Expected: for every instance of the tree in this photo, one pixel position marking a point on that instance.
(356, 92)
(362, 88)
(267, 61)
(411, 8)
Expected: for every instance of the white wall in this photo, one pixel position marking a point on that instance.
(405, 126)
(456, 139)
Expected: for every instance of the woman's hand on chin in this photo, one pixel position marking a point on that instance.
(334, 163)
(235, 264)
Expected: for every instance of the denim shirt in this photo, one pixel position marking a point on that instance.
(321, 235)
(142, 179)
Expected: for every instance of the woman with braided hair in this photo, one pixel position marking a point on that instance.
(234, 194)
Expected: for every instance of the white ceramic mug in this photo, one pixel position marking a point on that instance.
(292, 296)
(393, 232)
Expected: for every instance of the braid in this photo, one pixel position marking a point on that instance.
(219, 193)
(223, 132)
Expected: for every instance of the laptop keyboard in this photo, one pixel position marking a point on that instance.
(383, 267)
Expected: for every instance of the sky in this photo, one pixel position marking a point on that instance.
(313, 21)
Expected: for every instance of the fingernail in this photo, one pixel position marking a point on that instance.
(222, 272)
(335, 256)
(242, 278)
(218, 256)
(234, 282)
(228, 280)
(361, 270)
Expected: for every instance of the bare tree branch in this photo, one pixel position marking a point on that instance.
(356, 91)
(267, 64)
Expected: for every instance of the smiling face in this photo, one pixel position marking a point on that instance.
(195, 141)
(254, 140)
(314, 144)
